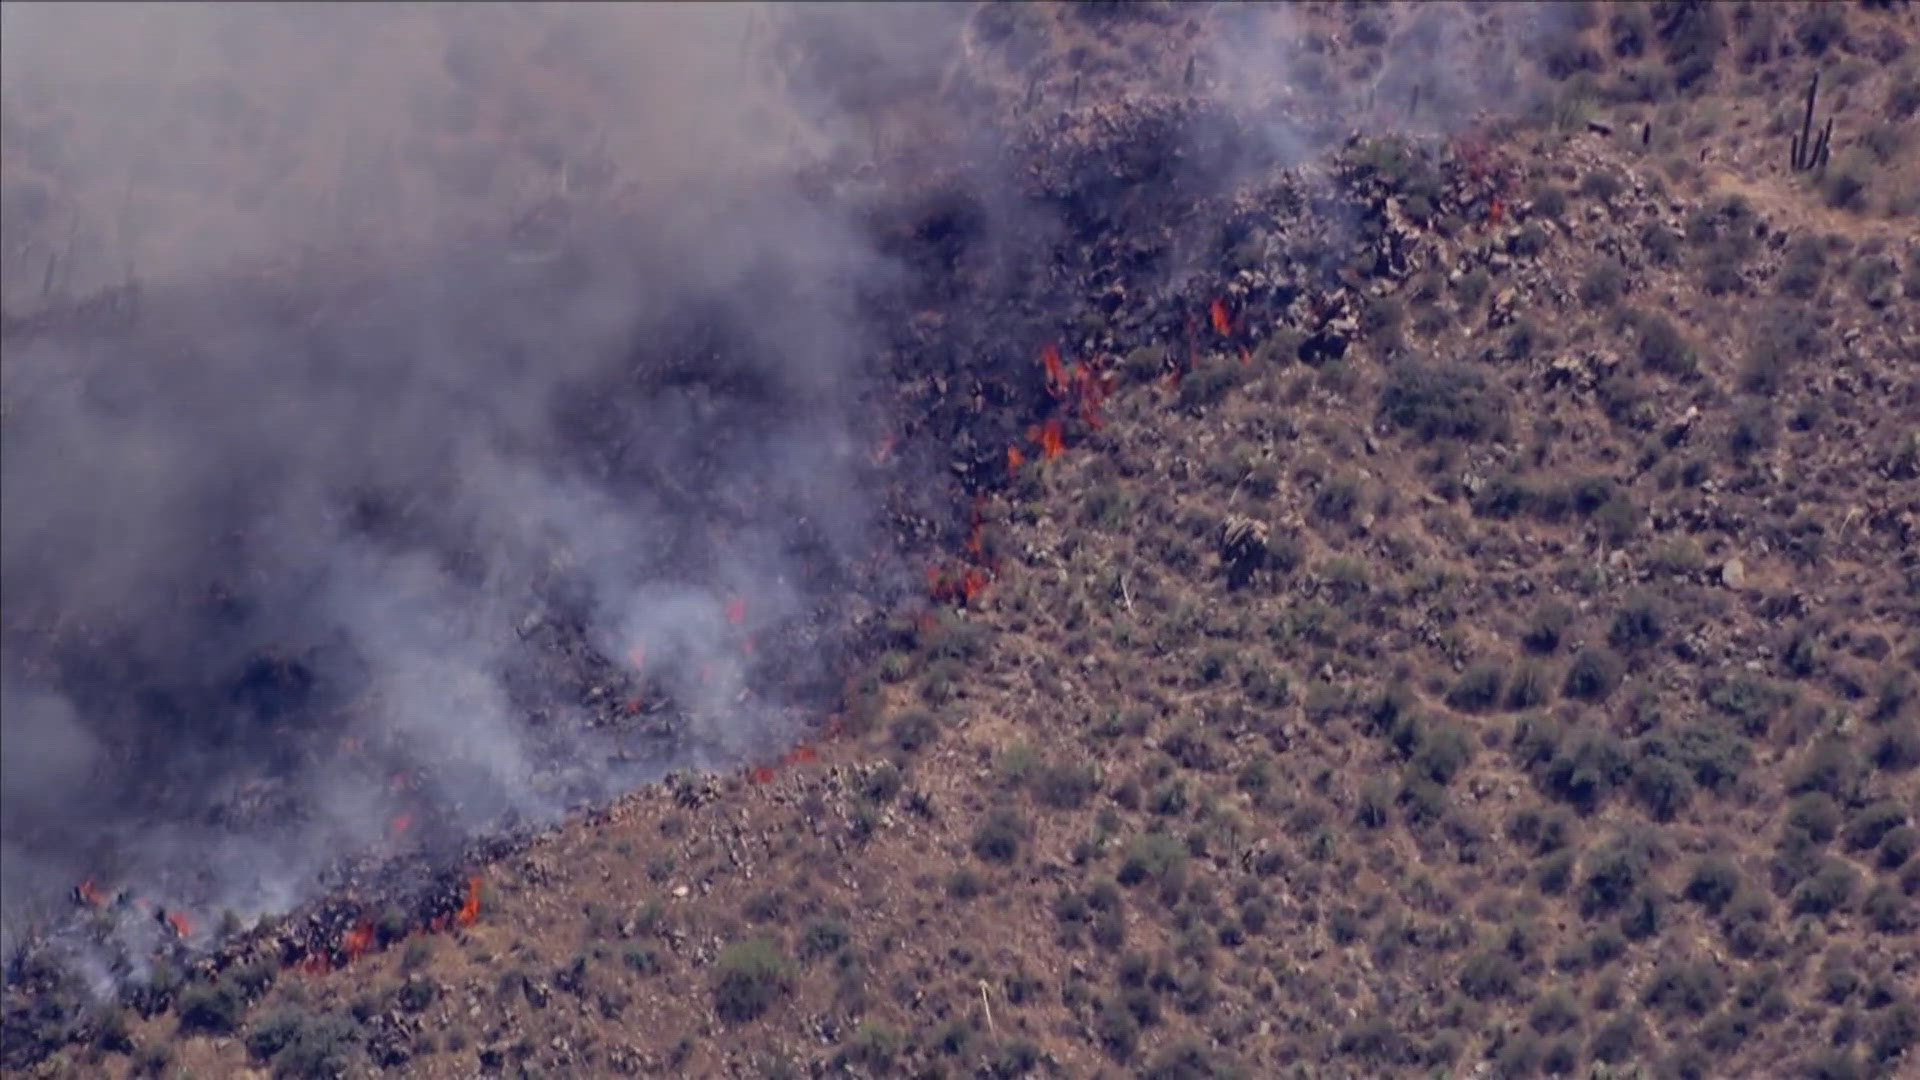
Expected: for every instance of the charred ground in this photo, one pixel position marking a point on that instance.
(1479, 630)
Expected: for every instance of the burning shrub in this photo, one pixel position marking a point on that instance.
(750, 977)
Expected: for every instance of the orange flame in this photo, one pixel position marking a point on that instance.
(634, 705)
(1015, 459)
(401, 823)
(883, 453)
(1056, 376)
(761, 774)
(1052, 442)
(737, 611)
(357, 941)
(180, 924)
(315, 964)
(470, 911)
(801, 754)
(974, 583)
(1222, 324)
(1496, 211)
(90, 894)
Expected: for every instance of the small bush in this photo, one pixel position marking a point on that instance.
(1548, 628)
(1821, 28)
(1619, 1039)
(1814, 816)
(1479, 688)
(915, 729)
(1065, 786)
(1803, 268)
(1444, 401)
(1887, 910)
(1444, 750)
(1489, 975)
(1898, 846)
(1532, 686)
(1831, 887)
(1897, 747)
(1614, 873)
(1587, 768)
(1829, 766)
(1662, 347)
(824, 938)
(1153, 857)
(1593, 676)
(1603, 284)
(999, 836)
(1684, 987)
(211, 1008)
(1663, 787)
(750, 977)
(1638, 626)
(1714, 881)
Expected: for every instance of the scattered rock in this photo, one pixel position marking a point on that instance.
(1733, 574)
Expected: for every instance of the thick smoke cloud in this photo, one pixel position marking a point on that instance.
(469, 344)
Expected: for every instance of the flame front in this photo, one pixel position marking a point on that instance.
(470, 911)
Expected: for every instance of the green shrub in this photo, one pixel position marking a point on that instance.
(1684, 987)
(915, 729)
(882, 782)
(823, 938)
(1662, 347)
(1531, 687)
(1815, 816)
(1829, 766)
(1831, 887)
(1065, 786)
(211, 1008)
(1586, 768)
(1489, 975)
(1593, 676)
(1751, 700)
(749, 978)
(1444, 401)
(1154, 857)
(1638, 625)
(1614, 872)
(1479, 688)
(1548, 628)
(1898, 846)
(1444, 750)
(1662, 786)
(1714, 882)
(1803, 267)
(1619, 1039)
(1897, 746)
(998, 837)
(1887, 910)
(1603, 284)
(1554, 1013)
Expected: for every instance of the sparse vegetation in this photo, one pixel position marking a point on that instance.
(1562, 721)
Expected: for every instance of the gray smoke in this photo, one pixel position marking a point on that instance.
(427, 330)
